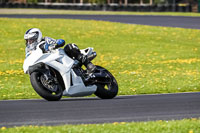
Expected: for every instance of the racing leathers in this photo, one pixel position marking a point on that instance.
(74, 52)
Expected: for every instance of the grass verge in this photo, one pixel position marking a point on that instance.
(175, 126)
(144, 59)
(50, 11)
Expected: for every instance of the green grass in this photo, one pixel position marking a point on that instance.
(50, 11)
(144, 59)
(181, 126)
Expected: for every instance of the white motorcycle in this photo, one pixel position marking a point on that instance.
(54, 74)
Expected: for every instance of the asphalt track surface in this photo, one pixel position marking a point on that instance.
(95, 110)
(168, 21)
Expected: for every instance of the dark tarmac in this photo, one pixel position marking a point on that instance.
(95, 110)
(168, 21)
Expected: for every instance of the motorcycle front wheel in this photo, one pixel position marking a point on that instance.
(106, 90)
(51, 92)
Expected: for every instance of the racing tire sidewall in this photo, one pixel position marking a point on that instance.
(41, 90)
(110, 93)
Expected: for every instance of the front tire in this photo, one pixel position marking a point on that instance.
(109, 90)
(35, 79)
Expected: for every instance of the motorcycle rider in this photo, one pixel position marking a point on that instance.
(33, 37)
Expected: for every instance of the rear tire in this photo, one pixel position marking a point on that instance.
(107, 91)
(42, 90)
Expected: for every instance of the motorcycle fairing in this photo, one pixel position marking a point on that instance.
(77, 88)
(63, 64)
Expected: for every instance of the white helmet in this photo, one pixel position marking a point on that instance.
(33, 36)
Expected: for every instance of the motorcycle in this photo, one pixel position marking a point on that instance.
(54, 74)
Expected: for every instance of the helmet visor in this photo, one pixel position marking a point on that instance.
(30, 41)
(31, 44)
(31, 38)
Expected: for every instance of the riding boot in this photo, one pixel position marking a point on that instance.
(89, 65)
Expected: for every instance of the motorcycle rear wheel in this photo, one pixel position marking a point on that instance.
(106, 91)
(41, 90)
